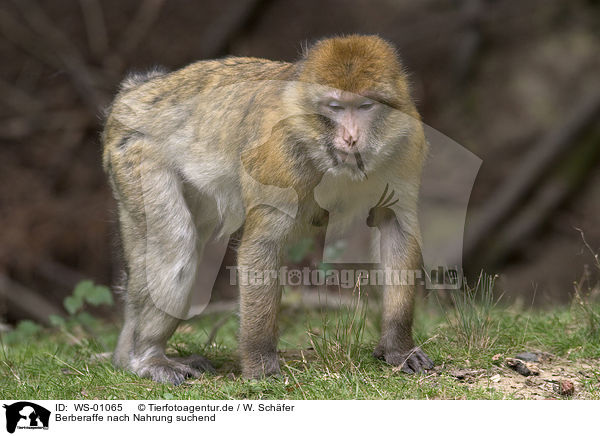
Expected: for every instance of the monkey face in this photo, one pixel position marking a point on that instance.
(352, 116)
(351, 133)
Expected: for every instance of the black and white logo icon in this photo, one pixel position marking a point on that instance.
(26, 415)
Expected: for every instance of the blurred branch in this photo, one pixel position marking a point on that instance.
(23, 302)
(541, 159)
(228, 25)
(471, 39)
(27, 124)
(19, 99)
(30, 109)
(59, 274)
(15, 32)
(138, 28)
(551, 195)
(45, 38)
(17, 128)
(95, 27)
(445, 23)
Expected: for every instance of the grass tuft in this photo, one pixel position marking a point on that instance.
(338, 341)
(473, 316)
(585, 298)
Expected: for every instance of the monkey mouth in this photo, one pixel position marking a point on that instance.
(346, 158)
(341, 155)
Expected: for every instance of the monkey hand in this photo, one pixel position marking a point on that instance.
(410, 362)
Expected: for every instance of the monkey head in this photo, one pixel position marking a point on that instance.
(352, 105)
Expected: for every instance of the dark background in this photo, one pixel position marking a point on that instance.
(515, 81)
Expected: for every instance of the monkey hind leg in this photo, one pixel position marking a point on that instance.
(396, 346)
(149, 359)
(159, 241)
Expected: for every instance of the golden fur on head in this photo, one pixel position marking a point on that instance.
(356, 63)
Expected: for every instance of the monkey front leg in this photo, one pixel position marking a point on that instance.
(260, 293)
(400, 253)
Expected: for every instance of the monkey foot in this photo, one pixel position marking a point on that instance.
(412, 361)
(197, 362)
(174, 370)
(264, 368)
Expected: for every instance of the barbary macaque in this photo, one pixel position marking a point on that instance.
(188, 152)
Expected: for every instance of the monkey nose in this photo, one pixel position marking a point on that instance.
(349, 138)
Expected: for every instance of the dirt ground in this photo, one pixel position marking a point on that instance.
(555, 373)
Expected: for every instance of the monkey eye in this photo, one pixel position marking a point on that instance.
(335, 106)
(367, 105)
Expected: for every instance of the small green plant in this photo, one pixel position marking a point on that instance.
(338, 343)
(24, 331)
(473, 319)
(86, 293)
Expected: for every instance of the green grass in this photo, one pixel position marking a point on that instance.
(326, 354)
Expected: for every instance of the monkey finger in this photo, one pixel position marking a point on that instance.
(416, 362)
(426, 362)
(406, 368)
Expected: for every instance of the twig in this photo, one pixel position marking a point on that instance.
(95, 27)
(589, 247)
